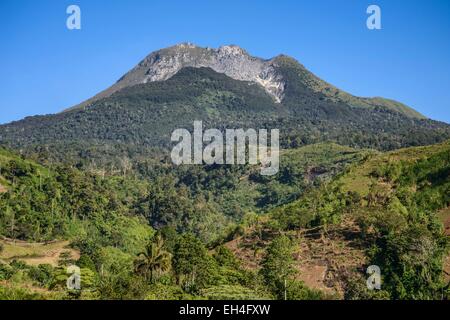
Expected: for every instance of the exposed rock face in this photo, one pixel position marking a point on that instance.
(231, 60)
(236, 63)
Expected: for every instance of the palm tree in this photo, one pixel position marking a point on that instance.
(153, 259)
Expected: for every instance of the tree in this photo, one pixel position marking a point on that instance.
(411, 262)
(170, 236)
(225, 257)
(193, 267)
(277, 266)
(126, 165)
(189, 253)
(154, 259)
(10, 217)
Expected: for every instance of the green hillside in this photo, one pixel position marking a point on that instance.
(361, 207)
(335, 94)
(48, 203)
(394, 201)
(106, 217)
(136, 122)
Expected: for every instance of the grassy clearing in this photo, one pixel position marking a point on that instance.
(359, 177)
(36, 253)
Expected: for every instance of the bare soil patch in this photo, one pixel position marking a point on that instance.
(323, 262)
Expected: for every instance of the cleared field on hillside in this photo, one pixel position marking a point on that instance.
(360, 177)
(37, 253)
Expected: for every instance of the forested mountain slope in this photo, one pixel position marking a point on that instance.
(136, 119)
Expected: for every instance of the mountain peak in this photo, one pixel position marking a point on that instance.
(186, 45)
(238, 64)
(230, 60)
(231, 50)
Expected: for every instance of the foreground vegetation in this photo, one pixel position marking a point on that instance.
(156, 233)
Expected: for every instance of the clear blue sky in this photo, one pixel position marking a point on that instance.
(46, 68)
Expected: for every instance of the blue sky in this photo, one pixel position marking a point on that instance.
(46, 68)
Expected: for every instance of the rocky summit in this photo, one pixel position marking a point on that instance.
(230, 60)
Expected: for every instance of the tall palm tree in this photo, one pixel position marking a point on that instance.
(153, 259)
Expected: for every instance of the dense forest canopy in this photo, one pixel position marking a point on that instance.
(137, 122)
